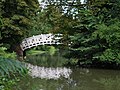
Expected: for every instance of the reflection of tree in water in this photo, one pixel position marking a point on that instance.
(80, 79)
(109, 83)
(96, 79)
(47, 60)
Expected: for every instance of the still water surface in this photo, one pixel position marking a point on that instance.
(62, 78)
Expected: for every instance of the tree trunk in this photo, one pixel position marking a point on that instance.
(19, 52)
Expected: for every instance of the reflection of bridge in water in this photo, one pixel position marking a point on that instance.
(48, 73)
(42, 39)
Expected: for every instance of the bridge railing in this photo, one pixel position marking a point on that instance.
(41, 40)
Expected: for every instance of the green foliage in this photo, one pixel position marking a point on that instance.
(111, 34)
(10, 67)
(3, 53)
(15, 18)
(40, 24)
(10, 70)
(111, 56)
(83, 47)
(51, 50)
(48, 20)
(95, 33)
(7, 83)
(42, 49)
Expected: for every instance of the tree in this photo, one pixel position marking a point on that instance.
(15, 21)
(60, 16)
(41, 23)
(96, 37)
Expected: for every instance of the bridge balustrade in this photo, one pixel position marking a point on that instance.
(42, 39)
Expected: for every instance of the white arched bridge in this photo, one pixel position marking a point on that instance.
(41, 39)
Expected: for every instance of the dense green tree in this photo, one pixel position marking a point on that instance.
(93, 29)
(15, 22)
(15, 17)
(43, 21)
(83, 46)
(96, 38)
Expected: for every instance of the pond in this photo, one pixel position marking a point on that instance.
(64, 78)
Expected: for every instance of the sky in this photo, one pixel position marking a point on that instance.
(43, 4)
(82, 1)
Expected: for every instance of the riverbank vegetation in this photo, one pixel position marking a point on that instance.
(10, 70)
(91, 33)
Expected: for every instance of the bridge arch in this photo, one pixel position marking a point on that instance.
(42, 39)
